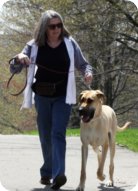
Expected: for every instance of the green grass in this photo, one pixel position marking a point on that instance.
(33, 132)
(70, 132)
(73, 132)
(128, 138)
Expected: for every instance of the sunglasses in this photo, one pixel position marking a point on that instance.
(54, 26)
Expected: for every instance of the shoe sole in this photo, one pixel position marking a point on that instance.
(59, 181)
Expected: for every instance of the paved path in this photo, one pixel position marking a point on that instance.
(20, 159)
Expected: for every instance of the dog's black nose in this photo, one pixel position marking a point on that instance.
(86, 112)
(82, 111)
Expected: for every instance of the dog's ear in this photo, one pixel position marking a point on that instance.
(81, 94)
(100, 95)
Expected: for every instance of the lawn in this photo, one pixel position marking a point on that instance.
(127, 138)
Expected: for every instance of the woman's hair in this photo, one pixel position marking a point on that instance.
(40, 34)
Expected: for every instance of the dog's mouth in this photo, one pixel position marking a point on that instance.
(85, 119)
(86, 114)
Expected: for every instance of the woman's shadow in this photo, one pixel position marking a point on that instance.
(100, 188)
(47, 188)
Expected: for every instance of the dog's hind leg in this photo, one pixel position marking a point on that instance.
(111, 166)
(100, 174)
(84, 152)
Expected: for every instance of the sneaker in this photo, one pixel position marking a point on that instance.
(58, 182)
(45, 180)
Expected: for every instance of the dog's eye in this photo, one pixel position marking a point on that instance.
(82, 100)
(89, 101)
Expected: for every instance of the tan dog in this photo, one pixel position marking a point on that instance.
(98, 128)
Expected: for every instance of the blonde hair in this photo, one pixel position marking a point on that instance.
(40, 34)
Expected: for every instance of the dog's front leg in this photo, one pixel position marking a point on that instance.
(100, 174)
(84, 152)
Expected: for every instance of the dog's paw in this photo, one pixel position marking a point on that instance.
(79, 188)
(101, 177)
(109, 183)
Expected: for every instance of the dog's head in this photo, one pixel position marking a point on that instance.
(90, 103)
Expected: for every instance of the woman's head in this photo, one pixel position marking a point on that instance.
(50, 23)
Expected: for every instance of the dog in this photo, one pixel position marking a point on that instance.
(98, 127)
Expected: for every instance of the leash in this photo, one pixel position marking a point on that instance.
(89, 86)
(51, 70)
(43, 67)
(11, 77)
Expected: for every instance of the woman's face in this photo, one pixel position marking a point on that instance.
(54, 28)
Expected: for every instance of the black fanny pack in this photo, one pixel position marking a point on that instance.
(45, 89)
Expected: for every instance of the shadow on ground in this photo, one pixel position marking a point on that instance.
(103, 188)
(100, 188)
(47, 188)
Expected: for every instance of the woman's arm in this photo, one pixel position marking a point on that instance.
(21, 60)
(81, 63)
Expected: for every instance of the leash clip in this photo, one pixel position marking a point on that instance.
(89, 86)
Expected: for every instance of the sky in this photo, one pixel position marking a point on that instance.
(135, 2)
(2, 1)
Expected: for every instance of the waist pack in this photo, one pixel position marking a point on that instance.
(45, 89)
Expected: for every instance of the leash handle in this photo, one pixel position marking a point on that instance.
(11, 77)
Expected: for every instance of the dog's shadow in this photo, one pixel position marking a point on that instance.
(103, 188)
(100, 188)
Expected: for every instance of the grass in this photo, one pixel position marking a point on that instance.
(128, 138)
(70, 132)
(73, 132)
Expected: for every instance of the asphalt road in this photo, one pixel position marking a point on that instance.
(20, 159)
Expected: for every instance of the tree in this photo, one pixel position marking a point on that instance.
(107, 33)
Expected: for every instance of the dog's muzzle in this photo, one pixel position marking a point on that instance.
(86, 113)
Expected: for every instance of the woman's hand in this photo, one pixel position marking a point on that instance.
(23, 59)
(88, 78)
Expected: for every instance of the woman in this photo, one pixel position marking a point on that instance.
(52, 56)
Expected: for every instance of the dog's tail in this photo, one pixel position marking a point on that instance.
(125, 126)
